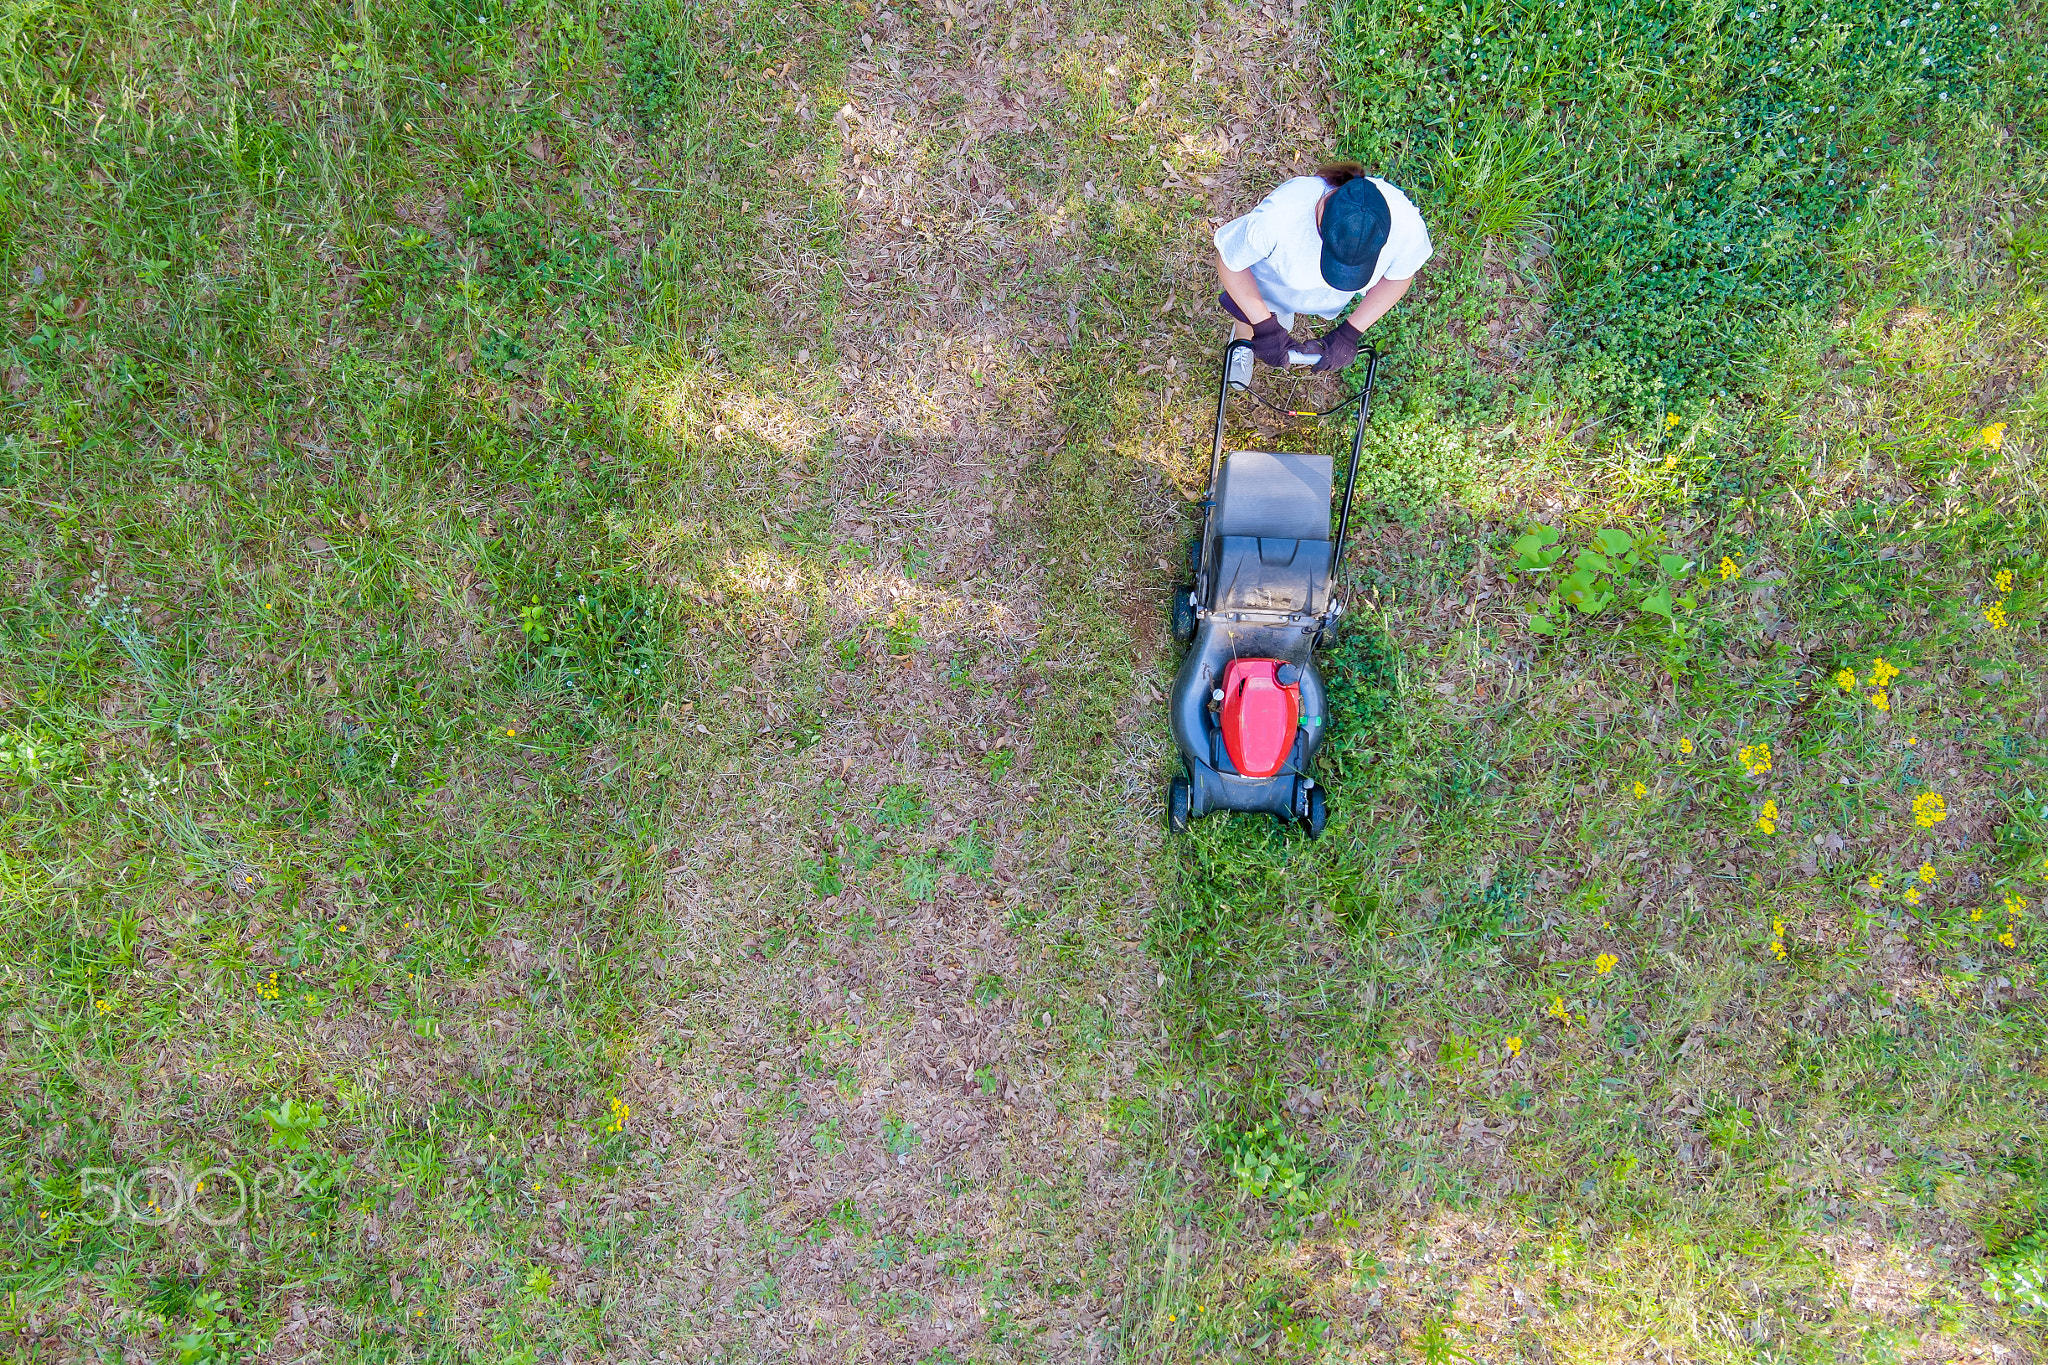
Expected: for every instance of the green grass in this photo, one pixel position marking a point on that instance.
(497, 762)
(1691, 181)
(352, 376)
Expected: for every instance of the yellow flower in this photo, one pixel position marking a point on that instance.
(1685, 744)
(1881, 700)
(1877, 881)
(1670, 462)
(1557, 1009)
(511, 733)
(1768, 820)
(1911, 740)
(1777, 928)
(1671, 419)
(2008, 940)
(1605, 963)
(1993, 436)
(2014, 905)
(1911, 895)
(1778, 949)
(1846, 680)
(1729, 569)
(2003, 582)
(1881, 672)
(1929, 810)
(1927, 872)
(1756, 758)
(1995, 614)
(1641, 791)
(1514, 1047)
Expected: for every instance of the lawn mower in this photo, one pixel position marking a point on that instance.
(1249, 708)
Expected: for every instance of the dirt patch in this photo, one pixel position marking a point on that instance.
(897, 1144)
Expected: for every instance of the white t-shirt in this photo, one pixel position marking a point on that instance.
(1280, 244)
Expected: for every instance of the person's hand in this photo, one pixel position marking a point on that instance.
(1269, 341)
(1339, 346)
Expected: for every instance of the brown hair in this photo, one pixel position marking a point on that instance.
(1336, 174)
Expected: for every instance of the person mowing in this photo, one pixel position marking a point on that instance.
(1339, 243)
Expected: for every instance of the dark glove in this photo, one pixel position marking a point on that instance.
(1339, 347)
(1269, 341)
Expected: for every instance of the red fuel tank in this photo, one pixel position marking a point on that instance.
(1260, 715)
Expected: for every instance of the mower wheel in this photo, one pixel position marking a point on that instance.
(1318, 813)
(1183, 614)
(1179, 801)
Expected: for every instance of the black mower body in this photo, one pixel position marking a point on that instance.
(1262, 591)
(1214, 784)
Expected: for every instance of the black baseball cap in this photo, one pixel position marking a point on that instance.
(1354, 229)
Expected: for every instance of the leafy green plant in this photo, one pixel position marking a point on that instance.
(898, 1137)
(901, 807)
(1732, 1129)
(532, 258)
(292, 1123)
(1433, 1343)
(35, 755)
(212, 1335)
(1415, 464)
(863, 850)
(823, 875)
(920, 877)
(2019, 1274)
(533, 622)
(503, 355)
(1268, 1162)
(968, 856)
(902, 634)
(1598, 577)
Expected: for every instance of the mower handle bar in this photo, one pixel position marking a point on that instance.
(1372, 356)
